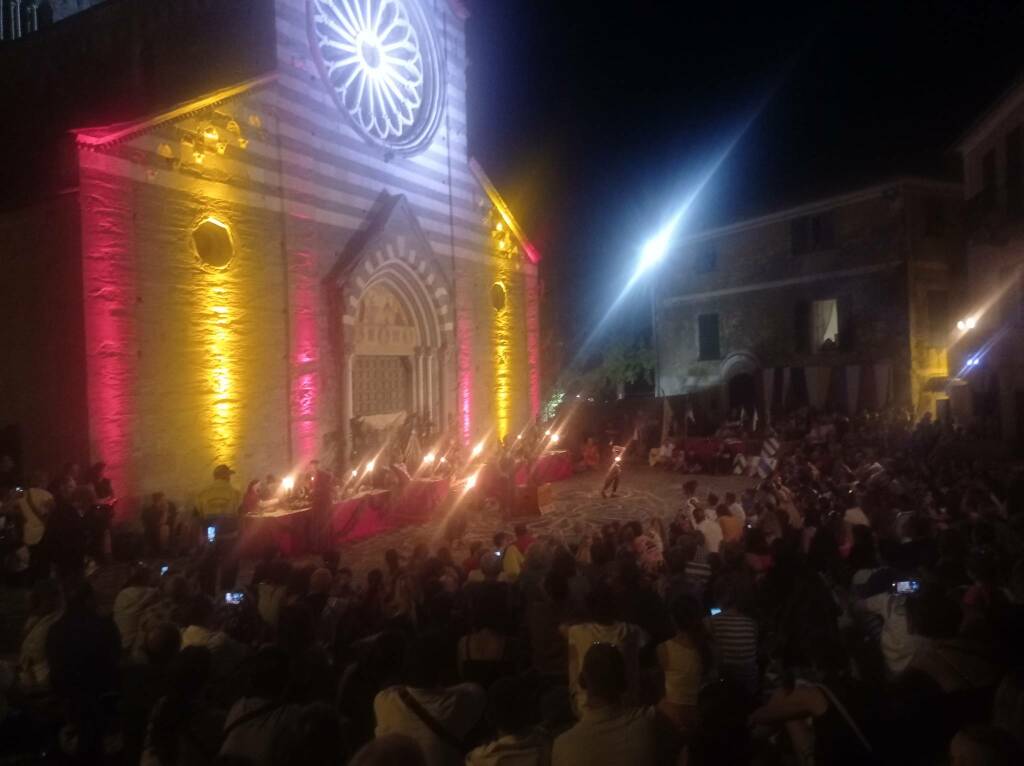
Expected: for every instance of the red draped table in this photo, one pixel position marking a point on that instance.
(420, 500)
(552, 466)
(283, 529)
(360, 516)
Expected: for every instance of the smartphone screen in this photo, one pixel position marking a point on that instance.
(164, 569)
(233, 597)
(906, 587)
(714, 610)
(211, 534)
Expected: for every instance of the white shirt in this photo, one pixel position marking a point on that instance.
(531, 750)
(712, 532)
(898, 643)
(129, 604)
(737, 510)
(457, 708)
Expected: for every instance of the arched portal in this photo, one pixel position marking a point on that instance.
(391, 327)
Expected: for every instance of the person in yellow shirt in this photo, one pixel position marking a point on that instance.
(732, 528)
(217, 507)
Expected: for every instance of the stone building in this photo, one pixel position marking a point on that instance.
(233, 228)
(839, 303)
(990, 352)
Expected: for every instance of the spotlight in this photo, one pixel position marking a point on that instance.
(370, 465)
(477, 449)
(471, 482)
(428, 458)
(971, 322)
(555, 438)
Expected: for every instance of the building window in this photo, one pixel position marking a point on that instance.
(824, 325)
(1015, 170)
(937, 304)
(812, 232)
(707, 260)
(213, 244)
(707, 337)
(499, 296)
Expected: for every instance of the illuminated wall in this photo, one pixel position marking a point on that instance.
(502, 329)
(532, 284)
(109, 290)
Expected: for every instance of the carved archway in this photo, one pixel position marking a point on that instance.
(389, 299)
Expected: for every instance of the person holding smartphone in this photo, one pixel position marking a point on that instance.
(217, 507)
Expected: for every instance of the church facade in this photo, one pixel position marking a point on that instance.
(259, 268)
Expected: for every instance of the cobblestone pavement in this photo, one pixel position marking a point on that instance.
(576, 509)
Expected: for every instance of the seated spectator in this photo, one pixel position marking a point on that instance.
(734, 638)
(390, 750)
(549, 653)
(512, 713)
(272, 592)
(609, 731)
(438, 718)
(144, 681)
(262, 712)
(45, 608)
(138, 594)
(183, 731)
(898, 644)
(984, 746)
(603, 628)
(488, 653)
(683, 659)
(313, 738)
(173, 606)
(732, 528)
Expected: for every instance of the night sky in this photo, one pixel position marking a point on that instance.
(594, 117)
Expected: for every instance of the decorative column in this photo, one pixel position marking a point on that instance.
(417, 380)
(444, 360)
(428, 368)
(347, 361)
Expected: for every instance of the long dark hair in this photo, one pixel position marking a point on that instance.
(189, 672)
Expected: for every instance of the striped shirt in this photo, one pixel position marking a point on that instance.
(735, 638)
(697, 575)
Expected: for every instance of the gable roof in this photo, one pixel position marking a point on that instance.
(107, 135)
(1010, 99)
(503, 210)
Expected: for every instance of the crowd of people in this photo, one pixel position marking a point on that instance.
(863, 604)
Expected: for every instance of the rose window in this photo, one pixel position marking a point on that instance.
(380, 61)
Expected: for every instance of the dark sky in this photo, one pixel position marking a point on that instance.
(594, 117)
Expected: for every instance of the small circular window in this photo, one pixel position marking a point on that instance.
(498, 296)
(213, 244)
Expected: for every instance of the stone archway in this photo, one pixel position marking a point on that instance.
(391, 323)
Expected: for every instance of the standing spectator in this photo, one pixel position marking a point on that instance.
(101, 484)
(438, 718)
(609, 732)
(35, 505)
(218, 505)
(65, 539)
